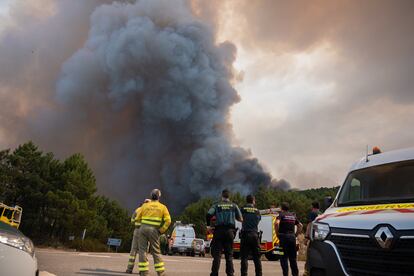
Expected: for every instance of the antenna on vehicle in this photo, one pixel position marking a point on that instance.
(366, 155)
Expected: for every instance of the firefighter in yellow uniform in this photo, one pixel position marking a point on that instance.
(155, 220)
(134, 244)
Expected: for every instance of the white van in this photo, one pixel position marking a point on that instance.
(369, 228)
(182, 236)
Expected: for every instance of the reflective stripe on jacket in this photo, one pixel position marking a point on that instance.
(155, 214)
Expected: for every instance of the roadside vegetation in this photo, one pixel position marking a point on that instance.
(59, 201)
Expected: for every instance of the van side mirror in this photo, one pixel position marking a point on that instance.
(327, 202)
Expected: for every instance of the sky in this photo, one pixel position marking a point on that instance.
(321, 81)
(318, 80)
(4, 9)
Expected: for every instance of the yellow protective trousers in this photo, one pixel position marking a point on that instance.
(150, 235)
(134, 250)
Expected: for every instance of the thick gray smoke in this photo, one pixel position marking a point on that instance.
(147, 99)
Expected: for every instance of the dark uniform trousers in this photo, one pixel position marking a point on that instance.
(250, 243)
(288, 243)
(222, 240)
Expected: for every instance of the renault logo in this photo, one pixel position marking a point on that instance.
(384, 237)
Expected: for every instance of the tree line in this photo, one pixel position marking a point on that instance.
(59, 200)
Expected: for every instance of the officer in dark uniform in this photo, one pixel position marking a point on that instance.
(226, 213)
(287, 236)
(249, 236)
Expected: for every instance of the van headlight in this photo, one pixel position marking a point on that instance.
(21, 243)
(319, 231)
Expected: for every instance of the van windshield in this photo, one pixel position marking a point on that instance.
(185, 233)
(389, 183)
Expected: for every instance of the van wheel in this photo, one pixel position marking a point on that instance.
(272, 257)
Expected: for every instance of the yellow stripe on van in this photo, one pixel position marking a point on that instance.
(275, 239)
(377, 207)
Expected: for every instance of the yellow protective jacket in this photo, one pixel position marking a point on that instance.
(134, 218)
(155, 214)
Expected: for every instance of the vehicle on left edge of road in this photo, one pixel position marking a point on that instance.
(17, 256)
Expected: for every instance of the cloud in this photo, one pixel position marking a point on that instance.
(141, 88)
(322, 80)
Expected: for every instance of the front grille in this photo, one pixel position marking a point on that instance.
(363, 256)
(406, 243)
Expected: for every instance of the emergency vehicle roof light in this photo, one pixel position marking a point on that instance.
(376, 150)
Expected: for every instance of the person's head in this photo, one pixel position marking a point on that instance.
(315, 205)
(225, 194)
(285, 206)
(155, 194)
(250, 199)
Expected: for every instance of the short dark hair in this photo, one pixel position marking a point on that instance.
(285, 206)
(315, 205)
(155, 194)
(225, 193)
(250, 199)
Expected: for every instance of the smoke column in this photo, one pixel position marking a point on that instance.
(147, 99)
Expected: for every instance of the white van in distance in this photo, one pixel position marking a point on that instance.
(182, 236)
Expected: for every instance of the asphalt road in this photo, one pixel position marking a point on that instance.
(63, 263)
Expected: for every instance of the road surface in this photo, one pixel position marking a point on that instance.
(63, 263)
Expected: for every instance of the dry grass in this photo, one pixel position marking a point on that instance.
(302, 248)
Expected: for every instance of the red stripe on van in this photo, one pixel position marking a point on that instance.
(404, 210)
(345, 214)
(371, 212)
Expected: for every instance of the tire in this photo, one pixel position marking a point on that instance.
(272, 257)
